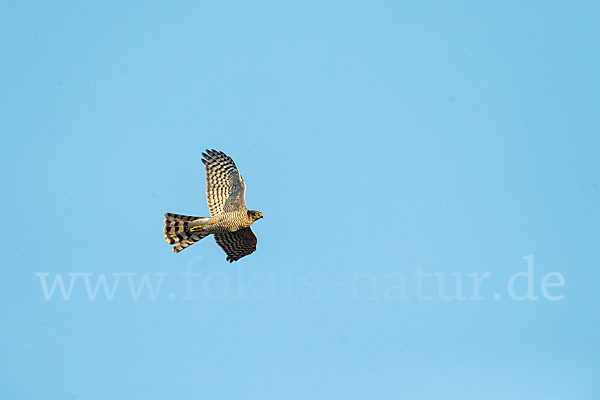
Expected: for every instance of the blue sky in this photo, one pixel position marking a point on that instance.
(379, 139)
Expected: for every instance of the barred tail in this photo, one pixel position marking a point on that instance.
(177, 230)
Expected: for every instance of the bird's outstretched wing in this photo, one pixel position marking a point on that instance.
(225, 187)
(237, 244)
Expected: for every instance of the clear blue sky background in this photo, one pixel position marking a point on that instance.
(375, 137)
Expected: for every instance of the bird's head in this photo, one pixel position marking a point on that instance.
(255, 215)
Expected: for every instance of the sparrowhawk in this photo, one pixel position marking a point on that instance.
(229, 219)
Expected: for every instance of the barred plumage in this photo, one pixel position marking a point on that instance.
(230, 220)
(237, 244)
(225, 187)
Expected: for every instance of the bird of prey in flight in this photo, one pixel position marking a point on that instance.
(229, 219)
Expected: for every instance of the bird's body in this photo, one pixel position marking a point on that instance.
(223, 223)
(230, 220)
